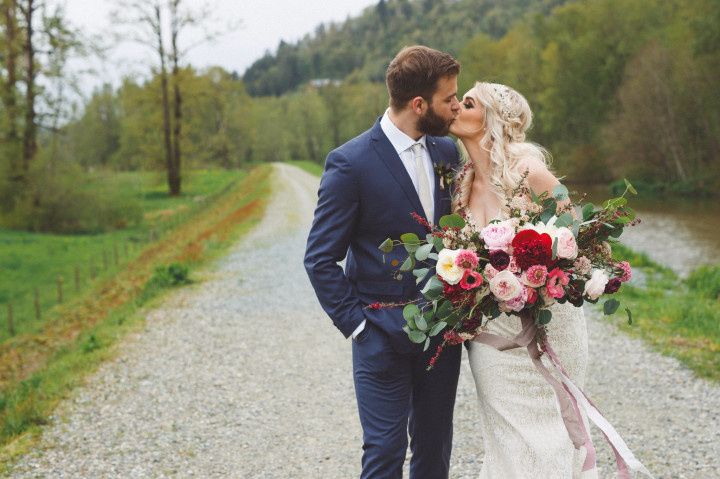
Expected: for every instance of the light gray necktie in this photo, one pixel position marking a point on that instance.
(423, 182)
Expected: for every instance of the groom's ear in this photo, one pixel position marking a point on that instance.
(418, 105)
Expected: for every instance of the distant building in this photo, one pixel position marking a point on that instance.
(321, 82)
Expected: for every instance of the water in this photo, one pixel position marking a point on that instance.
(682, 234)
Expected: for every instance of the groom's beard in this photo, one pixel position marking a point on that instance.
(432, 124)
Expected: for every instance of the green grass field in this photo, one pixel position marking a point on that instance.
(40, 368)
(32, 260)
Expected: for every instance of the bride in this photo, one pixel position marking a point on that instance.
(523, 432)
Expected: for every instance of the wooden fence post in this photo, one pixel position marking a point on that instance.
(38, 314)
(10, 320)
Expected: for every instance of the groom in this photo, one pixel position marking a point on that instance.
(369, 189)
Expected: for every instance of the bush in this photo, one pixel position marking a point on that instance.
(706, 281)
(164, 276)
(60, 202)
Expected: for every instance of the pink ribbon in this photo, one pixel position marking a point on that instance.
(569, 398)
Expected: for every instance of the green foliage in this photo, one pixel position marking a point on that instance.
(706, 281)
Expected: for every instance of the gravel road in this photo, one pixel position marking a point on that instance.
(243, 376)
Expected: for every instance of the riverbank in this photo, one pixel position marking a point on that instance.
(678, 317)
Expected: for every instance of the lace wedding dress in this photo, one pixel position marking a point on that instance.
(523, 432)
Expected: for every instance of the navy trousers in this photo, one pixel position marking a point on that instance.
(397, 396)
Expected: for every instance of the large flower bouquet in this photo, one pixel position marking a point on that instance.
(547, 250)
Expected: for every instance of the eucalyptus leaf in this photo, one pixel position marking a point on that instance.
(452, 221)
(610, 306)
(629, 315)
(423, 251)
(420, 274)
(566, 219)
(438, 243)
(386, 246)
(408, 264)
(444, 309)
(409, 311)
(410, 238)
(417, 336)
(420, 322)
(433, 289)
(630, 187)
(554, 248)
(437, 328)
(427, 344)
(560, 192)
(544, 316)
(587, 211)
(433, 256)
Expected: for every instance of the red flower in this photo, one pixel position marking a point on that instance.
(499, 259)
(471, 279)
(531, 248)
(454, 292)
(613, 286)
(375, 306)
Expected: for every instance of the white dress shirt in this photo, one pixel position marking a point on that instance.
(403, 146)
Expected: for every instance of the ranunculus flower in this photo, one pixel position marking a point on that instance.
(532, 295)
(499, 259)
(471, 279)
(505, 286)
(466, 259)
(612, 286)
(446, 267)
(567, 247)
(556, 282)
(535, 276)
(531, 248)
(497, 236)
(595, 286)
(627, 271)
(574, 292)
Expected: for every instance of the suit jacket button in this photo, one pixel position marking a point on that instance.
(399, 277)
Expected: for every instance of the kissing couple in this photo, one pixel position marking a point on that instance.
(370, 188)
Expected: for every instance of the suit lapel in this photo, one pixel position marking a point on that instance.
(389, 156)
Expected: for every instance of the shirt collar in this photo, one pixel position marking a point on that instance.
(399, 140)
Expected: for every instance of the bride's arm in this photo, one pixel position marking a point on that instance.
(540, 178)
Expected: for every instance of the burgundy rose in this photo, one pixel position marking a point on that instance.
(499, 259)
(613, 285)
(531, 248)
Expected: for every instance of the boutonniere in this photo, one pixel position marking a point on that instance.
(445, 173)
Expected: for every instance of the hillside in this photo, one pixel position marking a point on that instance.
(361, 46)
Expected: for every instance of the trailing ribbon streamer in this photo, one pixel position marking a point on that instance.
(569, 397)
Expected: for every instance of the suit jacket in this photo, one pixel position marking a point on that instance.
(366, 196)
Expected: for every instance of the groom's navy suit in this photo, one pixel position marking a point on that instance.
(365, 196)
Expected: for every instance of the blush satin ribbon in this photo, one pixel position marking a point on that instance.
(569, 397)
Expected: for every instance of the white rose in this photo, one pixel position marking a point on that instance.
(541, 227)
(567, 247)
(505, 286)
(446, 267)
(595, 286)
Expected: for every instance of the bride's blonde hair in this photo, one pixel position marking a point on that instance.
(507, 119)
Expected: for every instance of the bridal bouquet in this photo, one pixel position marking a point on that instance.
(541, 254)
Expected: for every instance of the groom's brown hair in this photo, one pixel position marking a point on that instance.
(415, 71)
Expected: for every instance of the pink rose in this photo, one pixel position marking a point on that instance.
(518, 302)
(498, 235)
(490, 271)
(567, 247)
(505, 286)
(535, 276)
(555, 283)
(595, 286)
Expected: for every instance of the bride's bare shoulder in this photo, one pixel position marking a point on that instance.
(540, 178)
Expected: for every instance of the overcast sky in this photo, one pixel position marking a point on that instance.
(263, 25)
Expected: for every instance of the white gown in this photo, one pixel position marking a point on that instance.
(523, 432)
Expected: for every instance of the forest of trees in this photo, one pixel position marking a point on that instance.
(618, 87)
